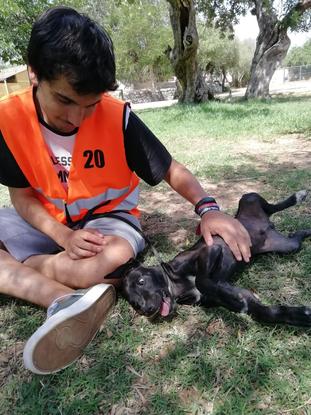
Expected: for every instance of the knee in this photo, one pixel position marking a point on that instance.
(113, 277)
(109, 273)
(5, 256)
(84, 273)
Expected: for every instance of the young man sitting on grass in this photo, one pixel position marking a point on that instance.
(66, 147)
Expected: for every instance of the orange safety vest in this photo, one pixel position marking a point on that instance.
(98, 171)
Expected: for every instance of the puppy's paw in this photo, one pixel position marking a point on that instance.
(301, 196)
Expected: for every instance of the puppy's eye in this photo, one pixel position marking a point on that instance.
(141, 281)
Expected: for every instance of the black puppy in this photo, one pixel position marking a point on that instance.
(201, 274)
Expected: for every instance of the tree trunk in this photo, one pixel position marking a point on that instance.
(183, 56)
(272, 43)
(223, 80)
(271, 48)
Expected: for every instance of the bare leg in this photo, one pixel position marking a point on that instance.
(83, 273)
(70, 325)
(21, 281)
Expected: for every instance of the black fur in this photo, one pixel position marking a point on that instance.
(202, 274)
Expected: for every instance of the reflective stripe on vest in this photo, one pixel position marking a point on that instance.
(74, 209)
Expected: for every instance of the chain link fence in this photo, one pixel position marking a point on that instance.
(296, 73)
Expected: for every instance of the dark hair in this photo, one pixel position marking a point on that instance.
(66, 43)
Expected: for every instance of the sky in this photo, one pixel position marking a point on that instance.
(248, 29)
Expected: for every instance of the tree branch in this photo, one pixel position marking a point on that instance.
(292, 18)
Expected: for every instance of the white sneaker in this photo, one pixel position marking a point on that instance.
(72, 322)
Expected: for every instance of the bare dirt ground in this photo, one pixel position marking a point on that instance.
(165, 212)
(285, 153)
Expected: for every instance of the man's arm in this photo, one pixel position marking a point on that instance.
(78, 244)
(147, 156)
(10, 172)
(213, 222)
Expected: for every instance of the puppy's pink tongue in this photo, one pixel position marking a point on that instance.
(165, 307)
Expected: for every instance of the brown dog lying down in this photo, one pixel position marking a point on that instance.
(201, 275)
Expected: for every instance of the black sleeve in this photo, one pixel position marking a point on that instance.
(10, 172)
(145, 154)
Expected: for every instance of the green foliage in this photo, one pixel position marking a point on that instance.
(220, 54)
(141, 32)
(223, 14)
(300, 55)
(240, 72)
(226, 13)
(16, 19)
(141, 38)
(216, 50)
(294, 18)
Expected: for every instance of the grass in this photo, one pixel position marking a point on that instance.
(227, 121)
(202, 361)
(213, 129)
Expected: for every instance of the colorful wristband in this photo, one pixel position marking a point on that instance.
(205, 205)
(207, 209)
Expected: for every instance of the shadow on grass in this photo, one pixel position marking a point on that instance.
(237, 108)
(269, 173)
(254, 166)
(290, 98)
(171, 224)
(222, 363)
(92, 390)
(104, 381)
(288, 172)
(217, 358)
(235, 111)
(276, 99)
(210, 364)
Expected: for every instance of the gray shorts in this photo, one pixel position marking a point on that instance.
(22, 240)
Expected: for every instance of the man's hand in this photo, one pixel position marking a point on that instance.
(83, 243)
(231, 231)
(213, 222)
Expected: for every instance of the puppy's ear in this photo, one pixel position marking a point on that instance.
(122, 270)
(167, 269)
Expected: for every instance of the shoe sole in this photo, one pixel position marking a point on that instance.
(62, 338)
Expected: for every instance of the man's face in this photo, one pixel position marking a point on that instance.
(61, 107)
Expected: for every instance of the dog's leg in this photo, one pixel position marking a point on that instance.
(275, 242)
(241, 300)
(294, 199)
(254, 212)
(251, 204)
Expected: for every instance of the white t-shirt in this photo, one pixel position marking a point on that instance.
(60, 148)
